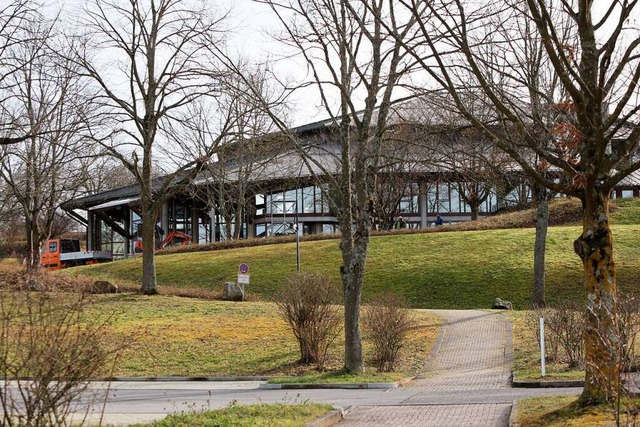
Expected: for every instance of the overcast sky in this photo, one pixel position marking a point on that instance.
(253, 24)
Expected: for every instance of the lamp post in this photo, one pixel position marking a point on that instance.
(297, 226)
(297, 246)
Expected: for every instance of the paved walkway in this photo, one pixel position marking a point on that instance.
(463, 382)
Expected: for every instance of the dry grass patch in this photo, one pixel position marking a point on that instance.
(563, 411)
(526, 354)
(179, 336)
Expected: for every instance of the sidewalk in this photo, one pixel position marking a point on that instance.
(471, 358)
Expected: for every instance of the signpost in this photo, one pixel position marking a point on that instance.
(243, 275)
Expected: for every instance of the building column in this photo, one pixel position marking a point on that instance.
(251, 230)
(127, 226)
(212, 219)
(164, 218)
(422, 201)
(195, 226)
(90, 237)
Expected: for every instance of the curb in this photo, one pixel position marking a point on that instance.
(547, 384)
(513, 417)
(176, 379)
(349, 386)
(329, 419)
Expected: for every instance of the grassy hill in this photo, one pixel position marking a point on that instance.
(457, 269)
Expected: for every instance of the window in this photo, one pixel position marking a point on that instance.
(180, 217)
(308, 200)
(443, 198)
(455, 199)
(53, 247)
(260, 204)
(409, 203)
(329, 228)
(432, 204)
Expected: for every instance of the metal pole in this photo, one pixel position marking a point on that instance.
(297, 237)
(542, 349)
(297, 250)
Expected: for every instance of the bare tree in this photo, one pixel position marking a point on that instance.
(353, 62)
(41, 170)
(585, 128)
(14, 17)
(246, 154)
(477, 165)
(407, 148)
(103, 173)
(162, 59)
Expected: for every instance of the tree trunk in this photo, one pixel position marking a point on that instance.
(33, 245)
(352, 281)
(148, 253)
(474, 211)
(542, 224)
(595, 248)
(237, 233)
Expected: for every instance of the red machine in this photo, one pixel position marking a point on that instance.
(174, 238)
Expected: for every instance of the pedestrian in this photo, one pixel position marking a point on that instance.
(400, 223)
(439, 220)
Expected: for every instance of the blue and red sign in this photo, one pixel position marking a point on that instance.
(244, 268)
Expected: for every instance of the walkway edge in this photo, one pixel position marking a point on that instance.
(513, 418)
(172, 378)
(547, 384)
(327, 420)
(347, 386)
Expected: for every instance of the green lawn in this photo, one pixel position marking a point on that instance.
(261, 415)
(563, 411)
(432, 270)
(167, 335)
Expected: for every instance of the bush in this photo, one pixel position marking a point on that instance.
(386, 323)
(49, 350)
(628, 328)
(564, 332)
(306, 303)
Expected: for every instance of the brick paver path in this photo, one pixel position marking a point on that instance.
(463, 382)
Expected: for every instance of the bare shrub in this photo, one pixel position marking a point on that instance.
(49, 350)
(628, 326)
(564, 330)
(305, 302)
(386, 323)
(552, 346)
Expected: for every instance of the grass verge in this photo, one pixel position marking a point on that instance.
(563, 411)
(261, 415)
(526, 354)
(167, 335)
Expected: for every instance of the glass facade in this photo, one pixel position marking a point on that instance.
(410, 202)
(276, 213)
(307, 200)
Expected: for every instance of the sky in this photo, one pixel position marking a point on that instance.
(253, 25)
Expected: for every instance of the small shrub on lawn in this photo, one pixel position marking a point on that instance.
(564, 332)
(306, 303)
(387, 323)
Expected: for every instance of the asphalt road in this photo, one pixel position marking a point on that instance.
(465, 382)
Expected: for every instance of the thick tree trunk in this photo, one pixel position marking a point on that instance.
(352, 281)
(474, 211)
(595, 248)
(542, 224)
(148, 254)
